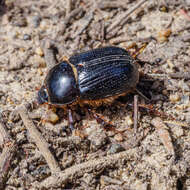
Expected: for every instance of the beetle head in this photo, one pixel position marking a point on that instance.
(60, 84)
(42, 95)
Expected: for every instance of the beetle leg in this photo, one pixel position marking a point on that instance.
(70, 119)
(107, 125)
(139, 50)
(131, 46)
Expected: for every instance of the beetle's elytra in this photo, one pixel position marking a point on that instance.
(91, 77)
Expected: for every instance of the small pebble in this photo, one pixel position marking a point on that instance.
(185, 99)
(115, 148)
(14, 116)
(67, 161)
(39, 51)
(39, 62)
(50, 116)
(20, 137)
(163, 35)
(20, 22)
(44, 25)
(40, 72)
(129, 120)
(98, 139)
(174, 98)
(118, 137)
(26, 37)
(163, 9)
(89, 178)
(170, 64)
(157, 60)
(36, 21)
(164, 92)
(186, 38)
(177, 130)
(41, 172)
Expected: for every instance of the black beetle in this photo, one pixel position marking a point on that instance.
(93, 77)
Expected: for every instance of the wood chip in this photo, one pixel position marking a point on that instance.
(163, 134)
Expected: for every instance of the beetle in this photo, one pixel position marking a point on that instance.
(93, 77)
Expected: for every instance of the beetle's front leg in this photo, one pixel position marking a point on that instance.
(70, 120)
(107, 125)
(101, 120)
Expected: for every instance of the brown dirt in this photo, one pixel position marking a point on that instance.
(35, 35)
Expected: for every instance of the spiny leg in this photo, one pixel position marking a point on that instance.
(70, 120)
(77, 132)
(101, 120)
(139, 50)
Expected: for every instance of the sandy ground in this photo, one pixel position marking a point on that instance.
(34, 35)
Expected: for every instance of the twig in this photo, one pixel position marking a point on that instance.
(154, 75)
(112, 4)
(102, 22)
(119, 39)
(164, 134)
(124, 17)
(68, 6)
(180, 75)
(84, 23)
(135, 117)
(61, 49)
(7, 154)
(3, 132)
(39, 140)
(62, 177)
(69, 17)
(178, 123)
(48, 48)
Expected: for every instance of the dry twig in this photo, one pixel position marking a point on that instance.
(180, 75)
(112, 4)
(84, 23)
(178, 123)
(39, 140)
(70, 16)
(124, 17)
(68, 6)
(48, 48)
(59, 179)
(135, 113)
(7, 154)
(163, 134)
